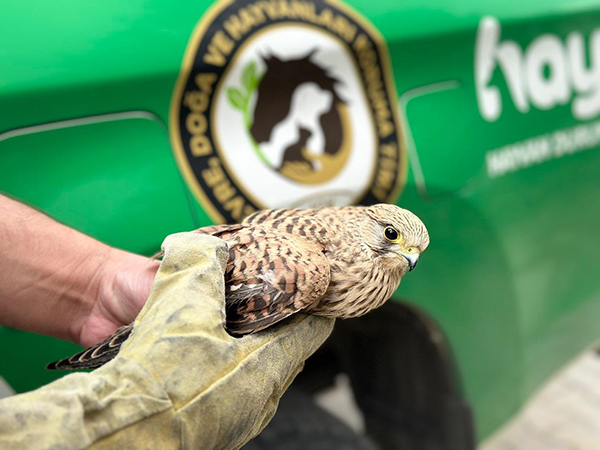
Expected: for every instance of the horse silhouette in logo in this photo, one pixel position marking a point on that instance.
(300, 121)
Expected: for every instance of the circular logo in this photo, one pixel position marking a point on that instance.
(286, 104)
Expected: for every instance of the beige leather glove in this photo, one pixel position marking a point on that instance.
(180, 381)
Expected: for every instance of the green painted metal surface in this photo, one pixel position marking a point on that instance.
(499, 170)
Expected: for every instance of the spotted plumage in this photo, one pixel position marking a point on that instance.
(334, 262)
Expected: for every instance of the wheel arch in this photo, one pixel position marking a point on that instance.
(404, 378)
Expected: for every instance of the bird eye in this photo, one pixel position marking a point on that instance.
(390, 234)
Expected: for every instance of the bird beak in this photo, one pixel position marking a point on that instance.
(412, 260)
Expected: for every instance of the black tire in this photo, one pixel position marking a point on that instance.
(300, 424)
(403, 377)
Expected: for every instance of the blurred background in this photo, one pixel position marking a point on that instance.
(133, 120)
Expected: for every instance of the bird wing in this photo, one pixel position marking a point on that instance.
(264, 215)
(95, 356)
(276, 215)
(270, 276)
(220, 231)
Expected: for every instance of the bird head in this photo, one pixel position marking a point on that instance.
(396, 236)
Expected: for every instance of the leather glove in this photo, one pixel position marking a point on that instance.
(180, 380)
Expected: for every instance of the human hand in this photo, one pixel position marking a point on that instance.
(124, 283)
(60, 282)
(224, 389)
(180, 379)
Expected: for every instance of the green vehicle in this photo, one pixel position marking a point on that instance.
(133, 120)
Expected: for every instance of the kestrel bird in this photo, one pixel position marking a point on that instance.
(334, 262)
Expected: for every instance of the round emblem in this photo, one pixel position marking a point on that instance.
(286, 104)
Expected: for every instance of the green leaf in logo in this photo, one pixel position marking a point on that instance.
(237, 99)
(249, 76)
(256, 81)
